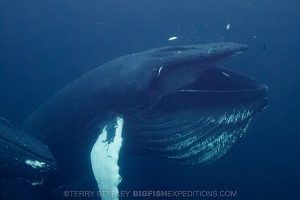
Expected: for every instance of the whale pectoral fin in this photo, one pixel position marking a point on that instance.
(22, 155)
(105, 156)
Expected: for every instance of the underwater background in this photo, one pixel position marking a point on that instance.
(47, 44)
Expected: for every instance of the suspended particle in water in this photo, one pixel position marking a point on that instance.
(228, 26)
(173, 38)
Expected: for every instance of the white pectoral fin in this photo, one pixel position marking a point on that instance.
(104, 159)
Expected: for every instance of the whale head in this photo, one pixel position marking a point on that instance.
(196, 109)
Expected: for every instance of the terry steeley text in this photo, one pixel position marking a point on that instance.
(151, 193)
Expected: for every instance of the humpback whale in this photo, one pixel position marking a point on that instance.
(23, 155)
(173, 102)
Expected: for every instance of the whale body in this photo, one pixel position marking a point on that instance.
(174, 102)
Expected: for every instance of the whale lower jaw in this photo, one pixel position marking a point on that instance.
(200, 141)
(104, 159)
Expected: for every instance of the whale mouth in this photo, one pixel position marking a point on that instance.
(200, 121)
(217, 85)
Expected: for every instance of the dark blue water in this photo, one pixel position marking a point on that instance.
(46, 44)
